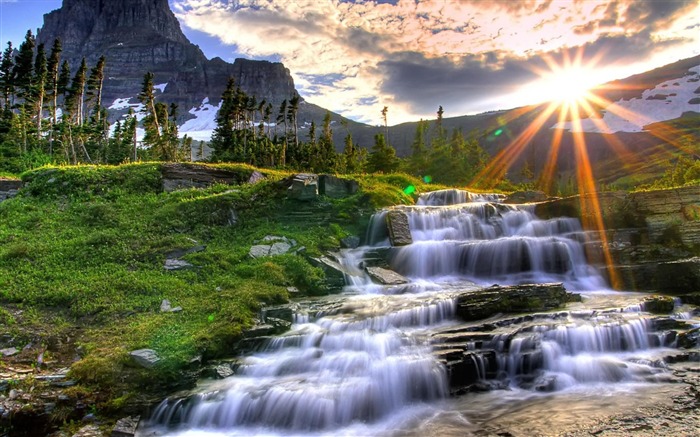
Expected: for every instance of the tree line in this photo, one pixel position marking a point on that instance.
(51, 115)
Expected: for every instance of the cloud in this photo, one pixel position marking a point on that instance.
(360, 55)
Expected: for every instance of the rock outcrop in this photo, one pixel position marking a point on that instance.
(9, 188)
(138, 36)
(651, 235)
(484, 303)
(399, 230)
(177, 176)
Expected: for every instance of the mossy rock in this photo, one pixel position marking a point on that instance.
(659, 304)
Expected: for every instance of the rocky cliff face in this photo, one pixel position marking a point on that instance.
(653, 236)
(137, 36)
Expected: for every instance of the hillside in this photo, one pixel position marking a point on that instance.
(89, 255)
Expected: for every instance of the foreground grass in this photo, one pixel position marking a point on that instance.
(82, 253)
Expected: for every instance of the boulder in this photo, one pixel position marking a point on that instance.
(487, 302)
(333, 271)
(126, 427)
(178, 176)
(336, 187)
(255, 177)
(145, 357)
(9, 188)
(399, 230)
(386, 276)
(271, 246)
(304, 186)
(350, 242)
(658, 304)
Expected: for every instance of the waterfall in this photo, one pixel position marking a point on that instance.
(379, 354)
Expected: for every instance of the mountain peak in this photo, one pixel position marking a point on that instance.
(138, 36)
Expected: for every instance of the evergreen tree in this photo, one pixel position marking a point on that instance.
(382, 158)
(52, 78)
(75, 100)
(7, 83)
(23, 71)
(418, 161)
(63, 80)
(223, 140)
(94, 88)
(148, 98)
(40, 77)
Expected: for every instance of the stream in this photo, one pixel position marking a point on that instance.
(371, 361)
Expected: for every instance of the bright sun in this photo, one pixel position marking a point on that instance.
(568, 86)
(566, 81)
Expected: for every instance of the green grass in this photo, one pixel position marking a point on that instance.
(82, 250)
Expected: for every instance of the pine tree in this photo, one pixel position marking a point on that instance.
(223, 140)
(63, 80)
(52, 78)
(94, 88)
(382, 158)
(148, 98)
(23, 70)
(7, 83)
(75, 100)
(40, 76)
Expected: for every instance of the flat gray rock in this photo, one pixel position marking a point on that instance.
(145, 357)
(386, 276)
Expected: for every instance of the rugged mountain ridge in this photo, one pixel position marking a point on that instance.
(137, 36)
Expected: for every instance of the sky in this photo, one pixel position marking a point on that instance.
(412, 56)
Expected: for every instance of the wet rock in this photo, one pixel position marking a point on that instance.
(658, 304)
(304, 187)
(484, 303)
(223, 371)
(350, 242)
(386, 276)
(334, 272)
(145, 357)
(689, 339)
(399, 230)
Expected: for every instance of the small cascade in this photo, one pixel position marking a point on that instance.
(377, 358)
(560, 353)
(486, 241)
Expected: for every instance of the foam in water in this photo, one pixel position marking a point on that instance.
(363, 366)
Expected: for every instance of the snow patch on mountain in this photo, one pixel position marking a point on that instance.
(201, 127)
(667, 101)
(160, 87)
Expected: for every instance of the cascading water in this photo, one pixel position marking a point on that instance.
(376, 363)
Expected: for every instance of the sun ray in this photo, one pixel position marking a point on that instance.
(591, 214)
(500, 164)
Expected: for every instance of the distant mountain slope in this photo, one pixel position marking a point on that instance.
(653, 115)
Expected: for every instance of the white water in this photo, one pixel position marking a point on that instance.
(367, 367)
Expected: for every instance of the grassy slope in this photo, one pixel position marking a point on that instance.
(82, 253)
